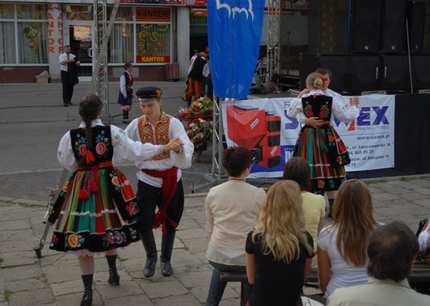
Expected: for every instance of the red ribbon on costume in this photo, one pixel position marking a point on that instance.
(168, 189)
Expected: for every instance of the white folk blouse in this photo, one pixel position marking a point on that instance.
(340, 108)
(124, 149)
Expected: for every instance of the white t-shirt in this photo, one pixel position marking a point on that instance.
(65, 57)
(343, 274)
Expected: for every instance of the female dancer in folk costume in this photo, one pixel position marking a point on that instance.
(125, 96)
(318, 142)
(96, 210)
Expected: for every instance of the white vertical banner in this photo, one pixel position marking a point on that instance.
(263, 126)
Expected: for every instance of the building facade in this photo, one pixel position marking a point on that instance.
(153, 35)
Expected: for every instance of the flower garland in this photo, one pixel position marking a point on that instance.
(198, 122)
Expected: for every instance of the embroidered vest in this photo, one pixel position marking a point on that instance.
(158, 137)
(102, 141)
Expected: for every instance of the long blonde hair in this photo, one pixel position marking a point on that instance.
(281, 222)
(353, 217)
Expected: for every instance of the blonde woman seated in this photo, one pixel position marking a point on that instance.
(297, 170)
(232, 210)
(342, 246)
(279, 250)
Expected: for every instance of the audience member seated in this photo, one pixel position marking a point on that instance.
(342, 245)
(391, 251)
(279, 250)
(297, 169)
(232, 210)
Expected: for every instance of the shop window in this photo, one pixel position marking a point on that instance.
(7, 43)
(153, 43)
(31, 11)
(121, 44)
(7, 11)
(32, 38)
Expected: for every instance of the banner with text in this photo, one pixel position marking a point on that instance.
(263, 126)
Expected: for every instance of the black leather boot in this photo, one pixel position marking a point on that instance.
(151, 253)
(113, 272)
(87, 298)
(166, 252)
(125, 116)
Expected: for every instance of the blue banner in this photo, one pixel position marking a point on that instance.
(234, 28)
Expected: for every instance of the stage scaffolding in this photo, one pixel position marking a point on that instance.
(102, 31)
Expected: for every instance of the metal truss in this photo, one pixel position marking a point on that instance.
(102, 28)
(273, 16)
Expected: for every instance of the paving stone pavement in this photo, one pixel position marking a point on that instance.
(55, 278)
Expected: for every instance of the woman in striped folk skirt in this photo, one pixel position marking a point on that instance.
(318, 142)
(96, 210)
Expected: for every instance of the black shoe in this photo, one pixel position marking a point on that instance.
(166, 268)
(87, 298)
(65, 104)
(149, 269)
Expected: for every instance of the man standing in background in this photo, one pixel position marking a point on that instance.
(69, 74)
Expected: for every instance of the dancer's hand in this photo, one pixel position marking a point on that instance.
(314, 122)
(174, 145)
(304, 91)
(354, 101)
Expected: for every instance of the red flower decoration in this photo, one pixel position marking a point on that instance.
(83, 149)
(100, 148)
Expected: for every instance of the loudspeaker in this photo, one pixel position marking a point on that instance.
(421, 72)
(418, 26)
(366, 25)
(328, 27)
(338, 64)
(395, 73)
(393, 34)
(364, 73)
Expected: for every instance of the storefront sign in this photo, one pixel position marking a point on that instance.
(152, 59)
(55, 28)
(153, 14)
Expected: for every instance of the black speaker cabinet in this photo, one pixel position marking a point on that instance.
(421, 71)
(328, 27)
(364, 73)
(419, 26)
(366, 25)
(395, 73)
(394, 26)
(338, 64)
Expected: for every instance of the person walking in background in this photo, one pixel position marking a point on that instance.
(69, 74)
(342, 245)
(231, 209)
(194, 84)
(159, 178)
(96, 211)
(279, 250)
(318, 142)
(125, 96)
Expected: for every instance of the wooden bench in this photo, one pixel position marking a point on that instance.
(237, 277)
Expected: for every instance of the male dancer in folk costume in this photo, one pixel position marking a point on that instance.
(96, 210)
(318, 142)
(159, 178)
